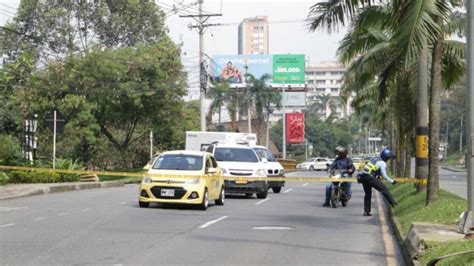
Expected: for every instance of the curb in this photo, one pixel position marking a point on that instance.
(68, 187)
(401, 241)
(452, 169)
(394, 224)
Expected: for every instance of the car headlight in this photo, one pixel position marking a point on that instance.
(193, 181)
(282, 172)
(260, 172)
(224, 171)
(147, 180)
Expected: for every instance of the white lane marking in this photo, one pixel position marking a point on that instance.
(453, 176)
(213, 222)
(86, 210)
(6, 225)
(130, 185)
(123, 202)
(7, 209)
(305, 184)
(288, 190)
(64, 213)
(262, 201)
(39, 218)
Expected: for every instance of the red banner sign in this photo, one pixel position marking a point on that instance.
(294, 128)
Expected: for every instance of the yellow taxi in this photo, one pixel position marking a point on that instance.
(359, 163)
(183, 177)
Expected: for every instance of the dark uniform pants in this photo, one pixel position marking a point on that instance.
(369, 182)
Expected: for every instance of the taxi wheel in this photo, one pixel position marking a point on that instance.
(143, 204)
(311, 168)
(221, 199)
(262, 195)
(205, 200)
(276, 189)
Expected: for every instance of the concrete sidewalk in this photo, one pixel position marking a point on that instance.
(12, 191)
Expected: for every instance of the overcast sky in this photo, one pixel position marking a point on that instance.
(285, 37)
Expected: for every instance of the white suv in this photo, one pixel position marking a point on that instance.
(237, 160)
(273, 167)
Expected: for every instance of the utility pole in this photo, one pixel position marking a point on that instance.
(151, 144)
(421, 168)
(284, 120)
(249, 117)
(201, 25)
(470, 92)
(460, 142)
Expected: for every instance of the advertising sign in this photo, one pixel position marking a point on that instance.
(232, 68)
(288, 68)
(295, 98)
(294, 128)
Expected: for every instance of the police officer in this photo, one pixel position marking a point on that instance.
(341, 162)
(369, 180)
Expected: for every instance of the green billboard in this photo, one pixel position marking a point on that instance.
(288, 68)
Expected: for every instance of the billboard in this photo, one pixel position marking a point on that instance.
(294, 128)
(295, 98)
(232, 68)
(287, 68)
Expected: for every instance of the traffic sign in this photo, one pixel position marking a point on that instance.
(61, 121)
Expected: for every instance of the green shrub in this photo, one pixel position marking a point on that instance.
(70, 165)
(33, 177)
(10, 151)
(3, 178)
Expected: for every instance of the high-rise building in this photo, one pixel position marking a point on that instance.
(324, 82)
(253, 36)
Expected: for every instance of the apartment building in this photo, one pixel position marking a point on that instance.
(253, 36)
(324, 82)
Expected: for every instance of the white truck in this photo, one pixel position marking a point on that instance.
(202, 141)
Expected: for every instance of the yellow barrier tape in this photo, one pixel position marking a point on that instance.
(230, 178)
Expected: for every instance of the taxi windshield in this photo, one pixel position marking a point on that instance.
(178, 162)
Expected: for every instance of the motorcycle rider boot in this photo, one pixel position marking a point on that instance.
(326, 204)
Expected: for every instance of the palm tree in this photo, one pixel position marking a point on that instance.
(265, 99)
(219, 93)
(390, 37)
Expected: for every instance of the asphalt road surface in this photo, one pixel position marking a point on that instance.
(106, 226)
(454, 182)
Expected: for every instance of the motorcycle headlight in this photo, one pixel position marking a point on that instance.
(260, 172)
(193, 181)
(147, 180)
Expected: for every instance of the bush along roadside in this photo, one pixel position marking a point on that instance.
(446, 210)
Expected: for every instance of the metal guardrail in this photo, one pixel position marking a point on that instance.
(288, 164)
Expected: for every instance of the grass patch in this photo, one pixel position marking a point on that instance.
(452, 159)
(445, 210)
(411, 207)
(439, 249)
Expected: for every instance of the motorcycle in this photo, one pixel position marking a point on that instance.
(339, 194)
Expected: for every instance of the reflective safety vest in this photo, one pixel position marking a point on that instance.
(371, 169)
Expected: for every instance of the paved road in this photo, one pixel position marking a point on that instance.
(106, 226)
(455, 182)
